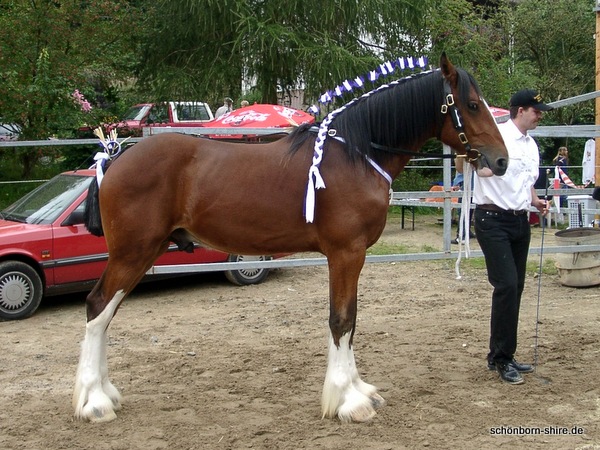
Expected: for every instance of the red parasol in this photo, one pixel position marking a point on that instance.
(500, 114)
(260, 116)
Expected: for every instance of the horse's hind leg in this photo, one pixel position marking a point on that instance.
(345, 395)
(95, 398)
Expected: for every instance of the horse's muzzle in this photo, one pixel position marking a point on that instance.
(497, 167)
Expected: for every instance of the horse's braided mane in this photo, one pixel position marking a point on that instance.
(393, 115)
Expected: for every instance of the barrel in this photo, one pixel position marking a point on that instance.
(578, 269)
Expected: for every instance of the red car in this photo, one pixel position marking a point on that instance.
(46, 250)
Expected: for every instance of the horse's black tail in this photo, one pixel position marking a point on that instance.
(91, 214)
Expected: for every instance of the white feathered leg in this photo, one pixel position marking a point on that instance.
(345, 395)
(95, 398)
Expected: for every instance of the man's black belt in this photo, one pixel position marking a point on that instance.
(492, 207)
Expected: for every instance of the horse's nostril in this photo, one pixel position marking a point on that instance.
(501, 166)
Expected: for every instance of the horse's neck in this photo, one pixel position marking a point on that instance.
(395, 165)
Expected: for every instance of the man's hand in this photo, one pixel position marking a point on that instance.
(543, 206)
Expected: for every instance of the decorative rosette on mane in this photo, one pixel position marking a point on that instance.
(111, 147)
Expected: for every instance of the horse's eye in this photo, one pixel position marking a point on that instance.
(473, 106)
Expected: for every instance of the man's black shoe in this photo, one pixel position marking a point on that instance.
(509, 374)
(521, 368)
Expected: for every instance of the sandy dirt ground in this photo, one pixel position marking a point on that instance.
(203, 364)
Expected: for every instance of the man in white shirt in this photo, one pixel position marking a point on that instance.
(503, 231)
(227, 107)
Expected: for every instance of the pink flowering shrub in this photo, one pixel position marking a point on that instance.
(81, 101)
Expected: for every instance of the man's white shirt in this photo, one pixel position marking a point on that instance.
(513, 189)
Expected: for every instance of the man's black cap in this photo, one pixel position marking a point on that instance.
(527, 98)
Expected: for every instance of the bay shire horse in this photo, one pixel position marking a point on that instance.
(251, 198)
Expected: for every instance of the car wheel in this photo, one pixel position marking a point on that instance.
(247, 276)
(20, 290)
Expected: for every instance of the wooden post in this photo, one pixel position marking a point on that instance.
(597, 101)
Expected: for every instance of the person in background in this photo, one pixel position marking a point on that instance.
(503, 230)
(244, 103)
(561, 161)
(227, 107)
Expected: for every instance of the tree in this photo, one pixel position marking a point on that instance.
(203, 48)
(557, 39)
(59, 48)
(544, 44)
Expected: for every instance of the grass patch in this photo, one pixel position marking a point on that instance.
(533, 265)
(473, 263)
(383, 248)
(548, 266)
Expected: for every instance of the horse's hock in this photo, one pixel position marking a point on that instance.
(579, 269)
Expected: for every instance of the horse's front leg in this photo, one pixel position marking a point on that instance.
(345, 395)
(95, 398)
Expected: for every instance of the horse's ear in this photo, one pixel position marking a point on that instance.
(448, 69)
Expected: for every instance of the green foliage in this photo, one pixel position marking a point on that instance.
(60, 47)
(562, 63)
(11, 169)
(413, 179)
(270, 43)
(547, 45)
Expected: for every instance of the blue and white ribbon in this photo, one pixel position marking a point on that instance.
(384, 69)
(315, 180)
(100, 158)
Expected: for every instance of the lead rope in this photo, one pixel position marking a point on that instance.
(464, 223)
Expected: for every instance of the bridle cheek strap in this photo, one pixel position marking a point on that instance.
(449, 107)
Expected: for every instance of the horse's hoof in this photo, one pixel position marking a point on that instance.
(358, 414)
(377, 401)
(363, 415)
(99, 416)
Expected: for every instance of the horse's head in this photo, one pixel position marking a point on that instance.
(469, 127)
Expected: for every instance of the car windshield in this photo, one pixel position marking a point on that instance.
(136, 112)
(44, 204)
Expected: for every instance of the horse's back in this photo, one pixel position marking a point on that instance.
(168, 154)
(172, 181)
